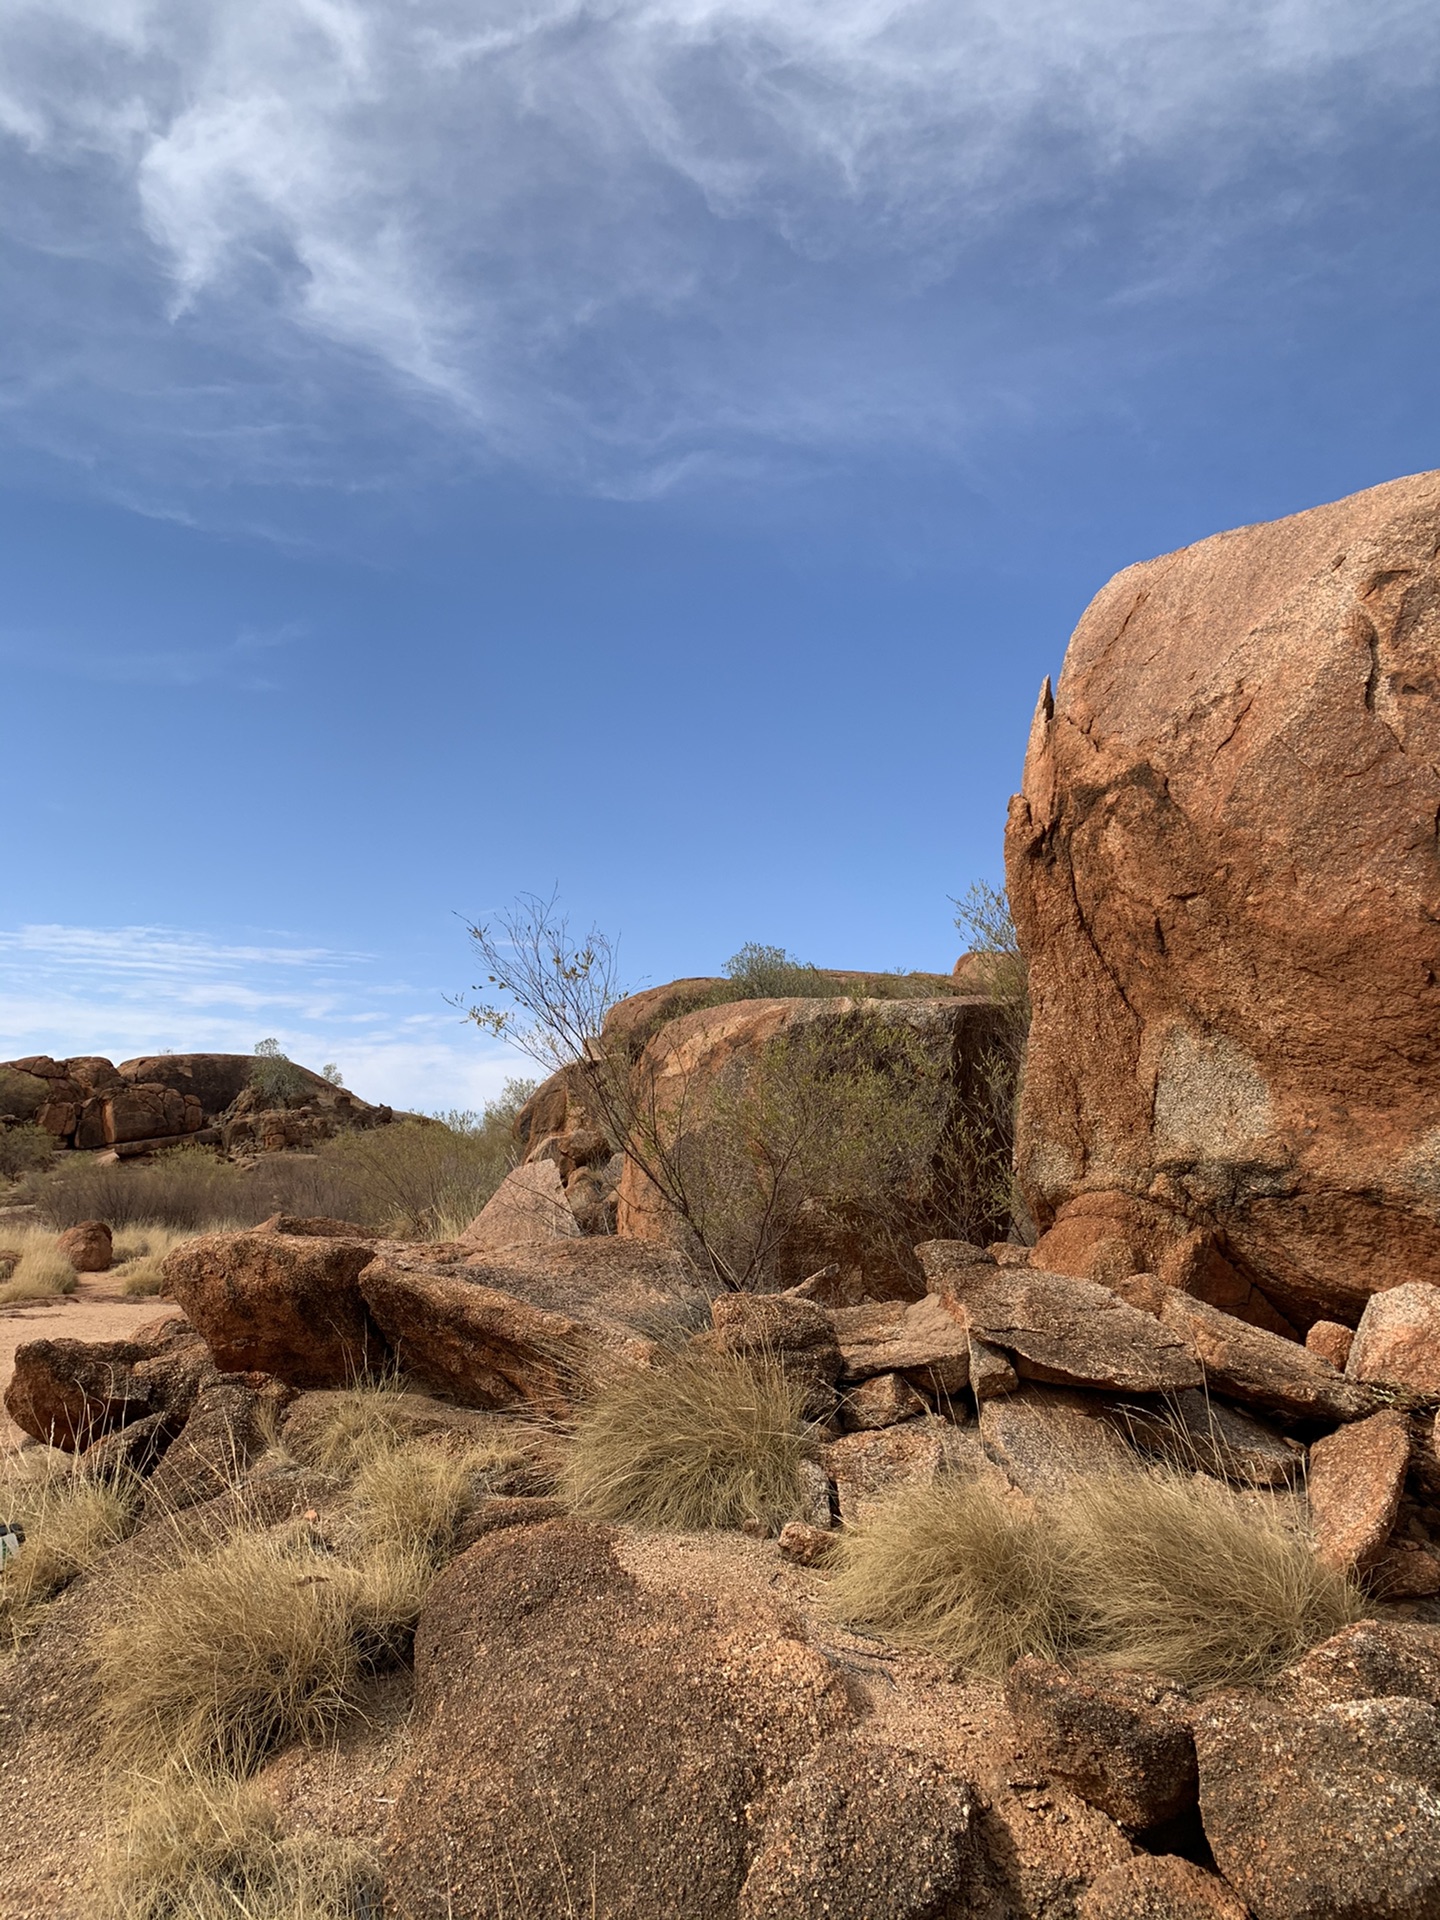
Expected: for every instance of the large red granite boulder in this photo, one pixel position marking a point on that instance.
(1224, 871)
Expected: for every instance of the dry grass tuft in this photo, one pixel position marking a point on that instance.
(1196, 1580)
(192, 1849)
(1177, 1575)
(961, 1571)
(69, 1518)
(218, 1660)
(41, 1273)
(139, 1255)
(408, 1499)
(700, 1440)
(362, 1424)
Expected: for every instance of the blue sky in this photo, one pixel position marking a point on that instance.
(652, 448)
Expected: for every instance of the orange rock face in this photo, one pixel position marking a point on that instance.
(1225, 869)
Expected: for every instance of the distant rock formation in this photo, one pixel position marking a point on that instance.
(171, 1099)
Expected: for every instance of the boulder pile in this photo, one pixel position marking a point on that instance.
(735, 1763)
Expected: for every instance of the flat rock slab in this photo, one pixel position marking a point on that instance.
(1070, 1332)
(869, 1469)
(1398, 1339)
(1372, 1659)
(1263, 1369)
(1357, 1475)
(884, 1400)
(1043, 1437)
(528, 1208)
(486, 1348)
(896, 1336)
(1331, 1812)
(1192, 1430)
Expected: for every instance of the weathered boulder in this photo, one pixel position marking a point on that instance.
(71, 1392)
(486, 1348)
(1122, 1741)
(1263, 1369)
(1331, 1341)
(1329, 1812)
(797, 1333)
(1070, 1332)
(223, 1434)
(542, 1666)
(1373, 1659)
(527, 1208)
(920, 1337)
(991, 1373)
(287, 1304)
(1356, 1477)
(1222, 869)
(1158, 1887)
(883, 1400)
(623, 1281)
(1398, 1339)
(696, 1064)
(863, 1829)
(89, 1247)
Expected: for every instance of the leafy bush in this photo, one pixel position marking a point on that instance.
(701, 1440)
(841, 1138)
(1171, 1573)
(24, 1149)
(275, 1077)
(758, 972)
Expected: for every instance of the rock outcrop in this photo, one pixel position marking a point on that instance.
(1223, 869)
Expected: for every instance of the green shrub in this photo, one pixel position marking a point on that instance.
(24, 1149)
(701, 1440)
(275, 1077)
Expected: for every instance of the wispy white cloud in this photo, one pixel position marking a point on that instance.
(236, 662)
(123, 991)
(597, 233)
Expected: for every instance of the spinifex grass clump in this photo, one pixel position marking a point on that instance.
(1173, 1574)
(959, 1570)
(702, 1440)
(68, 1517)
(188, 1848)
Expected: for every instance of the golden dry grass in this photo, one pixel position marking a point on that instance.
(407, 1499)
(139, 1255)
(188, 1848)
(958, 1570)
(1173, 1574)
(1193, 1579)
(700, 1440)
(41, 1273)
(219, 1659)
(70, 1519)
(360, 1424)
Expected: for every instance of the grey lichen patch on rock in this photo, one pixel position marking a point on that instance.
(1211, 1100)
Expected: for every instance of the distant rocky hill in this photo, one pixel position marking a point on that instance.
(169, 1099)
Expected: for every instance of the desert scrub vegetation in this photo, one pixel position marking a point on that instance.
(1172, 1573)
(845, 1131)
(191, 1848)
(700, 1440)
(70, 1518)
(24, 1149)
(418, 1179)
